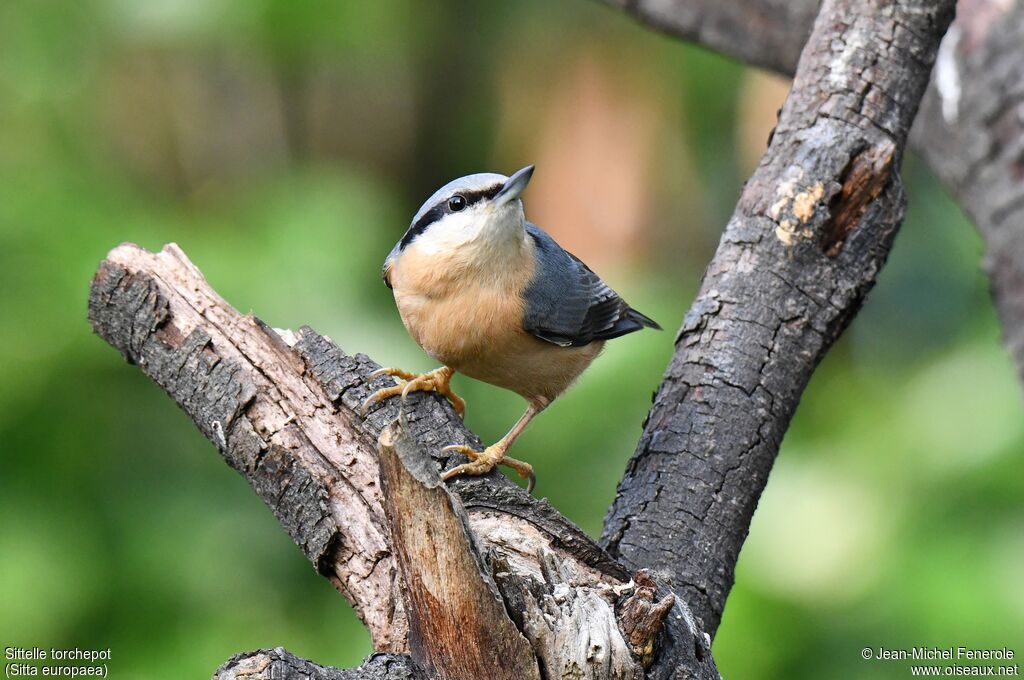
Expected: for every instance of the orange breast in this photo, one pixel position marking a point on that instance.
(472, 320)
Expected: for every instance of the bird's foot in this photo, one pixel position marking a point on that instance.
(438, 380)
(482, 462)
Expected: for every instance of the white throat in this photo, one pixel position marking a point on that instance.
(485, 237)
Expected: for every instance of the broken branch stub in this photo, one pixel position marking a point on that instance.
(250, 395)
(458, 626)
(282, 410)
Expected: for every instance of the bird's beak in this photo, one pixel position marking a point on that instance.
(514, 186)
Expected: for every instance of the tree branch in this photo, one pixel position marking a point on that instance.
(971, 133)
(810, 233)
(969, 129)
(282, 410)
(765, 33)
(280, 664)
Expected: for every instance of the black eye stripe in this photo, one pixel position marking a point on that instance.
(440, 209)
(429, 217)
(480, 194)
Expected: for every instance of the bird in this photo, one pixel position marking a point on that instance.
(491, 295)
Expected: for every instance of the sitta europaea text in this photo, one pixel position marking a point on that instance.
(494, 297)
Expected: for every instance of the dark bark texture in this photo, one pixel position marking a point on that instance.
(970, 128)
(361, 496)
(971, 132)
(280, 664)
(513, 576)
(766, 33)
(813, 226)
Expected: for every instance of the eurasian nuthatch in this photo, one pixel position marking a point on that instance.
(492, 296)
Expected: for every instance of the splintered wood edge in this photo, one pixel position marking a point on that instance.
(250, 394)
(284, 414)
(570, 613)
(457, 620)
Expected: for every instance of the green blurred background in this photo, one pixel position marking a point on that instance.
(285, 146)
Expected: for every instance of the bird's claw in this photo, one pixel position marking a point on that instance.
(438, 380)
(380, 395)
(396, 372)
(482, 462)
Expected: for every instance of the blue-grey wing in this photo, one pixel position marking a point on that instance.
(569, 305)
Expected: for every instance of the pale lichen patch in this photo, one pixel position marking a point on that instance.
(840, 67)
(784, 195)
(789, 232)
(797, 206)
(785, 233)
(805, 201)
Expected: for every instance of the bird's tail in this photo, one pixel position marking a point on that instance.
(642, 319)
(631, 321)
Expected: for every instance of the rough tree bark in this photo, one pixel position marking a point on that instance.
(279, 664)
(362, 498)
(449, 580)
(765, 33)
(970, 129)
(810, 233)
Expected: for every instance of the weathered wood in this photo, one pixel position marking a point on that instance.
(810, 233)
(430, 420)
(249, 394)
(281, 407)
(642, 616)
(280, 664)
(969, 128)
(458, 627)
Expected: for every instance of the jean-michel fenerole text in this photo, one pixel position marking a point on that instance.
(934, 653)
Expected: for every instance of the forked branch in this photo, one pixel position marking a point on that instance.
(477, 575)
(811, 231)
(970, 129)
(473, 575)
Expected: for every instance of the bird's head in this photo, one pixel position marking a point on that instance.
(482, 209)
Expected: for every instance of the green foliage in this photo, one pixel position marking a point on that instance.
(285, 146)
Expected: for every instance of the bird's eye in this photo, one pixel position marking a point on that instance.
(456, 203)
